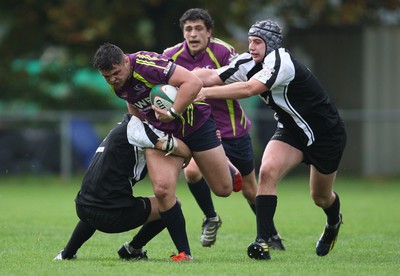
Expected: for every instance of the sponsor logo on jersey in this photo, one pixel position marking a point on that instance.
(140, 88)
(144, 104)
(266, 73)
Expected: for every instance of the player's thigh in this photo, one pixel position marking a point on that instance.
(214, 166)
(163, 170)
(278, 159)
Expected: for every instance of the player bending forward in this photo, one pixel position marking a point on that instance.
(105, 201)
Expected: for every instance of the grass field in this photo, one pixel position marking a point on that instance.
(37, 217)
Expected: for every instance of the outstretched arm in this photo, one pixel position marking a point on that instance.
(237, 90)
(209, 77)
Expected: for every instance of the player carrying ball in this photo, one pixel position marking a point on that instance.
(131, 77)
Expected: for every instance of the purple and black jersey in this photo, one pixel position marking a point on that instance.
(228, 114)
(148, 70)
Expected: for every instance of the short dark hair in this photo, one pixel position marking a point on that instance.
(196, 14)
(108, 55)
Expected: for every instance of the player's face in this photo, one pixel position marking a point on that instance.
(119, 74)
(196, 35)
(257, 48)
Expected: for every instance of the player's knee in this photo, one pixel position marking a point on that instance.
(320, 200)
(162, 190)
(223, 191)
(249, 192)
(192, 175)
(269, 171)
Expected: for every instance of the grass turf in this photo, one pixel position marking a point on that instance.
(37, 218)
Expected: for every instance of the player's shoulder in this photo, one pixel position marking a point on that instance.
(282, 54)
(221, 44)
(173, 49)
(243, 58)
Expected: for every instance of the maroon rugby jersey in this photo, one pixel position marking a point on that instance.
(150, 69)
(228, 114)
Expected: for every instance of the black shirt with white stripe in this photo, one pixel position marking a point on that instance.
(119, 162)
(294, 93)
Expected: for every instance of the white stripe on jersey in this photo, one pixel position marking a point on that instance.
(279, 87)
(239, 68)
(137, 135)
(139, 164)
(278, 82)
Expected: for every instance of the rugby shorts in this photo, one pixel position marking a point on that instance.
(240, 152)
(204, 138)
(326, 151)
(116, 220)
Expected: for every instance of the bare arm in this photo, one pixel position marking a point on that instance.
(189, 86)
(237, 90)
(209, 77)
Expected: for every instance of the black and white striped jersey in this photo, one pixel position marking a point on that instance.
(292, 91)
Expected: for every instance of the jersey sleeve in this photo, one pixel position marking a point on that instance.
(141, 134)
(237, 70)
(278, 69)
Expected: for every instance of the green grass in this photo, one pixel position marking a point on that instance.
(37, 216)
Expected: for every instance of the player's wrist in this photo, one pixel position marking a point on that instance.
(172, 113)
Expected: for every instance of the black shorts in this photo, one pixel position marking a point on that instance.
(204, 138)
(326, 151)
(240, 153)
(116, 220)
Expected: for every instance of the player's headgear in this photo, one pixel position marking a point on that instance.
(269, 31)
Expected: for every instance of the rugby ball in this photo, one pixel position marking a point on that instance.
(163, 95)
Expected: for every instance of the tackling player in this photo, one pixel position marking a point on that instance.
(309, 130)
(105, 201)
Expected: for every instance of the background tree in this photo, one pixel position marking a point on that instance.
(46, 47)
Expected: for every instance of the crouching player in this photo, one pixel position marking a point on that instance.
(105, 201)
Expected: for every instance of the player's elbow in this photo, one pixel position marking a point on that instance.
(254, 87)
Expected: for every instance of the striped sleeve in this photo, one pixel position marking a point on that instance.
(141, 134)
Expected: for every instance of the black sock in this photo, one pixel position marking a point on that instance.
(332, 212)
(176, 225)
(146, 233)
(265, 211)
(202, 194)
(253, 207)
(273, 230)
(81, 234)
